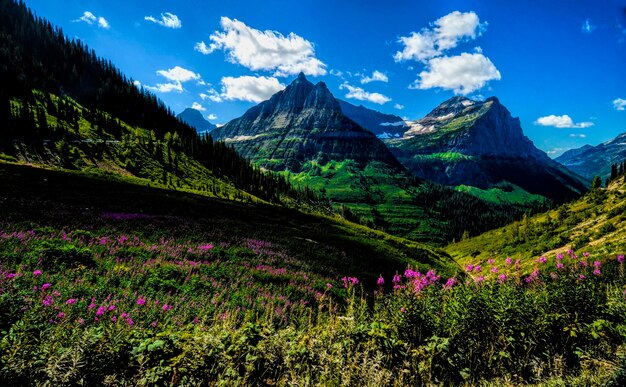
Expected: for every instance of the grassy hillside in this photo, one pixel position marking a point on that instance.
(108, 282)
(596, 223)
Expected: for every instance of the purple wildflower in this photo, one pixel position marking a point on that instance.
(70, 301)
(37, 273)
(380, 281)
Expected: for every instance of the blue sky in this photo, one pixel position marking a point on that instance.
(558, 65)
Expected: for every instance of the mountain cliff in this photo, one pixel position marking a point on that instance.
(193, 118)
(590, 161)
(301, 123)
(381, 124)
(479, 144)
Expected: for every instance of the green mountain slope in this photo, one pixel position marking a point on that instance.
(323, 245)
(479, 144)
(595, 223)
(303, 132)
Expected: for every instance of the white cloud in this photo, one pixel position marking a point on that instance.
(198, 107)
(211, 117)
(179, 74)
(103, 23)
(166, 87)
(246, 88)
(176, 75)
(362, 95)
(398, 106)
(580, 135)
(264, 50)
(376, 76)
(619, 104)
(463, 73)
(587, 27)
(202, 48)
(445, 33)
(563, 121)
(168, 20)
(336, 73)
(137, 83)
(91, 19)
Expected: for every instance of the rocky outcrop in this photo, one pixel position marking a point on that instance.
(303, 122)
(480, 144)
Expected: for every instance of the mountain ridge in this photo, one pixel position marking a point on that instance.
(194, 118)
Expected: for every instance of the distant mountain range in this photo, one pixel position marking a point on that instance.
(194, 118)
(381, 124)
(590, 161)
(479, 144)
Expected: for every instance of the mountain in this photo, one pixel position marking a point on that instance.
(194, 118)
(303, 132)
(590, 161)
(479, 144)
(381, 124)
(299, 124)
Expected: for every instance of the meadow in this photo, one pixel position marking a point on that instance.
(92, 293)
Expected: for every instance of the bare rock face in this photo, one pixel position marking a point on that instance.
(480, 144)
(303, 122)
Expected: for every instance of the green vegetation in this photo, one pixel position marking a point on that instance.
(504, 193)
(393, 201)
(145, 298)
(596, 223)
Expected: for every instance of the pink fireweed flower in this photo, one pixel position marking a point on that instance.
(205, 247)
(166, 307)
(37, 273)
(479, 279)
(542, 259)
(559, 256)
(47, 300)
(450, 283)
(553, 275)
(597, 264)
(620, 258)
(349, 281)
(478, 268)
(60, 315)
(154, 324)
(380, 281)
(508, 261)
(582, 277)
(80, 321)
(586, 254)
(111, 307)
(70, 301)
(10, 275)
(100, 311)
(491, 261)
(494, 269)
(583, 263)
(502, 278)
(597, 272)
(403, 310)
(329, 286)
(408, 273)
(129, 321)
(396, 279)
(559, 265)
(45, 286)
(114, 319)
(141, 301)
(469, 268)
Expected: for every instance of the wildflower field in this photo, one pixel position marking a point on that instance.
(97, 294)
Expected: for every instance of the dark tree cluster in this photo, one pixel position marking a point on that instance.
(617, 170)
(34, 55)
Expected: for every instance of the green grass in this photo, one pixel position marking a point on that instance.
(594, 223)
(504, 193)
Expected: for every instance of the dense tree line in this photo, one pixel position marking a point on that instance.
(34, 55)
(617, 170)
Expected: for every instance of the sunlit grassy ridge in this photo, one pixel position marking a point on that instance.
(595, 223)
